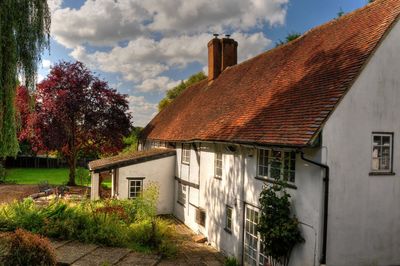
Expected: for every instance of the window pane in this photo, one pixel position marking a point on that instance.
(377, 140)
(386, 141)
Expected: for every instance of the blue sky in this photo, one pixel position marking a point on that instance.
(142, 48)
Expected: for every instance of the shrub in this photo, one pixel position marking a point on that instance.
(25, 248)
(83, 176)
(277, 227)
(231, 261)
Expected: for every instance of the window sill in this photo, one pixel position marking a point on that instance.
(273, 181)
(381, 173)
(180, 203)
(228, 230)
(218, 177)
(186, 163)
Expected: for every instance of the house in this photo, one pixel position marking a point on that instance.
(322, 112)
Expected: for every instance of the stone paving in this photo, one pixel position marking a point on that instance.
(189, 253)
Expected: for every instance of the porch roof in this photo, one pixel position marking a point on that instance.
(121, 160)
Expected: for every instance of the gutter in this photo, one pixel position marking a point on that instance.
(326, 198)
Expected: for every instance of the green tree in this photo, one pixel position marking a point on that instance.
(278, 228)
(290, 37)
(175, 91)
(131, 141)
(24, 34)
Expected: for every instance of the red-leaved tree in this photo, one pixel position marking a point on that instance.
(77, 113)
(23, 107)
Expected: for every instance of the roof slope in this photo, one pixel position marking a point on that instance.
(129, 159)
(282, 96)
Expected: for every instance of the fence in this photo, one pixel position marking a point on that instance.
(42, 162)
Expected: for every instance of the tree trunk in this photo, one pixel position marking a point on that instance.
(72, 168)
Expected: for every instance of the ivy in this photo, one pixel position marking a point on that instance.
(278, 228)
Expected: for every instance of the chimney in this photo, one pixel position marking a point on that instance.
(214, 58)
(222, 53)
(229, 52)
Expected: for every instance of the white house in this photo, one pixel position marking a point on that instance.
(322, 112)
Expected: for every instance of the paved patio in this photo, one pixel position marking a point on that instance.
(189, 253)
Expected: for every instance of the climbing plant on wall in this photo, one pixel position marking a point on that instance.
(278, 228)
(24, 34)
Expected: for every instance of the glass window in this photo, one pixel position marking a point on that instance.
(182, 193)
(186, 153)
(218, 164)
(135, 188)
(382, 152)
(228, 218)
(277, 164)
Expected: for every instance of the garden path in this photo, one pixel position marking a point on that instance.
(189, 253)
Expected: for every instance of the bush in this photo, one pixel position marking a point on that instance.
(231, 261)
(119, 223)
(25, 248)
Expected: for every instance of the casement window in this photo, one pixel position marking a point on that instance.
(135, 187)
(228, 218)
(382, 152)
(277, 164)
(186, 153)
(218, 164)
(182, 193)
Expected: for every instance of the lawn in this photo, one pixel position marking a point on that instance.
(29, 176)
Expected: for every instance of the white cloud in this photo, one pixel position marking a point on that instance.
(142, 111)
(106, 22)
(54, 5)
(160, 84)
(46, 64)
(145, 58)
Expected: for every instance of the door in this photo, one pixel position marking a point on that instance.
(252, 244)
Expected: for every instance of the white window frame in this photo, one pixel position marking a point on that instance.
(136, 193)
(185, 153)
(228, 218)
(264, 166)
(381, 146)
(182, 192)
(218, 164)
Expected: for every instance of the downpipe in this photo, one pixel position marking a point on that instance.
(326, 198)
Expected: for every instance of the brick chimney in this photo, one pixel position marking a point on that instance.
(222, 53)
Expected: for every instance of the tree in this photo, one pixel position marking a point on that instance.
(77, 113)
(175, 91)
(131, 141)
(25, 29)
(277, 227)
(23, 107)
(290, 37)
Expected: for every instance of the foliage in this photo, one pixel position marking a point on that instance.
(78, 113)
(2, 174)
(177, 90)
(131, 140)
(83, 176)
(25, 29)
(118, 223)
(290, 37)
(231, 261)
(340, 13)
(278, 228)
(25, 248)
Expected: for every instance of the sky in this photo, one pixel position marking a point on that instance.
(144, 47)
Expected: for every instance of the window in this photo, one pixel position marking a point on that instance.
(382, 145)
(186, 153)
(277, 164)
(135, 187)
(182, 193)
(218, 164)
(228, 218)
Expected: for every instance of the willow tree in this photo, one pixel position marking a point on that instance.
(24, 34)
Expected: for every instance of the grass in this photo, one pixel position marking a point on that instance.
(33, 176)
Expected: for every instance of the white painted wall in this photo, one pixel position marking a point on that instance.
(239, 186)
(364, 220)
(160, 171)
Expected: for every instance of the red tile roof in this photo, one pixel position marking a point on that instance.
(282, 96)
